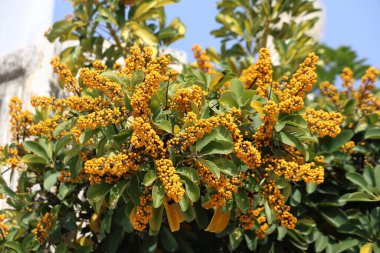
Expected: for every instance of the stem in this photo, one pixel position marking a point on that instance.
(5, 171)
(270, 90)
(253, 82)
(266, 34)
(286, 151)
(167, 93)
(303, 85)
(114, 36)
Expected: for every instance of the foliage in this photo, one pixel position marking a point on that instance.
(248, 25)
(137, 148)
(344, 210)
(106, 29)
(139, 156)
(333, 61)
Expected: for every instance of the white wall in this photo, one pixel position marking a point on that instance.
(25, 51)
(23, 23)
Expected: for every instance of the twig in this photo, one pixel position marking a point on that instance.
(114, 36)
(167, 92)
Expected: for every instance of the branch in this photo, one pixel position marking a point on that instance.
(114, 36)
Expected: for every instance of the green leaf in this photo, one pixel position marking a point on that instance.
(257, 106)
(149, 244)
(59, 28)
(336, 217)
(156, 220)
(105, 12)
(215, 81)
(247, 98)
(251, 240)
(141, 31)
(105, 225)
(5, 189)
(297, 239)
(61, 127)
(86, 135)
(189, 212)
(113, 77)
(116, 192)
(16, 246)
(50, 178)
(235, 238)
(311, 187)
(184, 203)
(225, 165)
(158, 194)
(162, 3)
(188, 172)
(334, 144)
(294, 120)
(120, 138)
(223, 134)
(164, 125)
(301, 133)
(376, 172)
(237, 87)
(144, 8)
(167, 240)
(150, 177)
(71, 153)
(100, 148)
(372, 133)
(349, 106)
(281, 233)
(178, 27)
(134, 190)
(60, 144)
(296, 197)
(218, 142)
(375, 220)
(308, 222)
(207, 138)
(64, 190)
(279, 126)
(211, 166)
(36, 148)
(217, 147)
(242, 200)
(30, 243)
(352, 229)
(293, 141)
(343, 245)
(97, 192)
(192, 189)
(195, 108)
(357, 179)
(321, 243)
(75, 166)
(201, 215)
(357, 196)
(33, 159)
(268, 212)
(138, 77)
(48, 147)
(166, 33)
(127, 102)
(229, 98)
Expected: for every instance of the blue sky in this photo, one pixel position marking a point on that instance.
(350, 22)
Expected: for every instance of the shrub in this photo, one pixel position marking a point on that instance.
(139, 156)
(149, 148)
